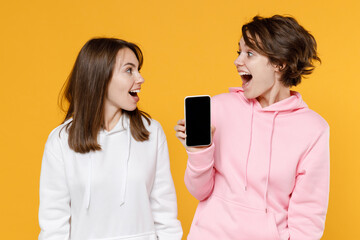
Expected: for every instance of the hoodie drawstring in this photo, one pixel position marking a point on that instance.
(269, 164)
(124, 174)
(248, 153)
(88, 185)
(125, 168)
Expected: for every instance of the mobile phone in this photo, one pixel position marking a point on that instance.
(198, 121)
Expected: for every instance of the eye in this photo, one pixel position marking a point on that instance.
(250, 54)
(238, 52)
(129, 70)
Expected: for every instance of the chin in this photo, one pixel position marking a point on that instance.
(248, 95)
(130, 109)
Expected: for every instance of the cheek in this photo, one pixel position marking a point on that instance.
(116, 92)
(119, 86)
(265, 73)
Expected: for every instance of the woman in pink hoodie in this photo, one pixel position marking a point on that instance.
(266, 173)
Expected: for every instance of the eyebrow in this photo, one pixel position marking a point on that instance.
(129, 63)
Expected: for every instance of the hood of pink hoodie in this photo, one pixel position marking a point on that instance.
(290, 104)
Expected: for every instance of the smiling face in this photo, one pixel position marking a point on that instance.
(258, 75)
(125, 83)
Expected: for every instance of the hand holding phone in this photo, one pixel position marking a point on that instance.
(198, 121)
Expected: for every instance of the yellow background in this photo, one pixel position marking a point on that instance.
(189, 48)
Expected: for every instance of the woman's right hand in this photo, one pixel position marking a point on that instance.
(181, 135)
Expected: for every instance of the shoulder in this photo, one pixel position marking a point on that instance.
(235, 95)
(157, 134)
(58, 137)
(151, 124)
(309, 126)
(314, 120)
(229, 103)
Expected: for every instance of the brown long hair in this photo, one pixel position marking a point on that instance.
(85, 91)
(286, 43)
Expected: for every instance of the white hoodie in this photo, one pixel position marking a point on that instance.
(124, 191)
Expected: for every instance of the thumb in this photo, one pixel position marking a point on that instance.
(213, 129)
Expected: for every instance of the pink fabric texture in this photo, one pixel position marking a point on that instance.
(266, 174)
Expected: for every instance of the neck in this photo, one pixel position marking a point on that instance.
(111, 117)
(277, 93)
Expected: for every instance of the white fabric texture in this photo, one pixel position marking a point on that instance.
(124, 191)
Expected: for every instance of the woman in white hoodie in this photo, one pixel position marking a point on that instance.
(105, 171)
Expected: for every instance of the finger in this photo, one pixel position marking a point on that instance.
(181, 122)
(213, 128)
(179, 128)
(180, 135)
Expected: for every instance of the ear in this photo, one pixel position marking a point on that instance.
(280, 68)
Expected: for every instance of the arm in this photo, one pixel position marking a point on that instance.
(309, 200)
(200, 172)
(163, 197)
(54, 210)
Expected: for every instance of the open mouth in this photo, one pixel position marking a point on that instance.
(134, 93)
(245, 77)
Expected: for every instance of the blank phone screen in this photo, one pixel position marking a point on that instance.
(197, 121)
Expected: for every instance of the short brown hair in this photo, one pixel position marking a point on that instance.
(285, 43)
(85, 91)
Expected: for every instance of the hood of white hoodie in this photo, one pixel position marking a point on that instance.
(123, 125)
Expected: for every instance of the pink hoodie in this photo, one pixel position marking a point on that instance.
(266, 175)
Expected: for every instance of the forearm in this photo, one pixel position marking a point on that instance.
(199, 174)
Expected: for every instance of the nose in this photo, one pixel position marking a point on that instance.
(139, 79)
(239, 61)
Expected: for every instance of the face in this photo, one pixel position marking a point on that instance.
(125, 83)
(258, 75)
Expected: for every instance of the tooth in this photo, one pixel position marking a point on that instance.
(244, 73)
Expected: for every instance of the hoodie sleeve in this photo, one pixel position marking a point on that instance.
(54, 210)
(200, 172)
(163, 196)
(309, 200)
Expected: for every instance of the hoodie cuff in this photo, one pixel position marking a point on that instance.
(201, 159)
